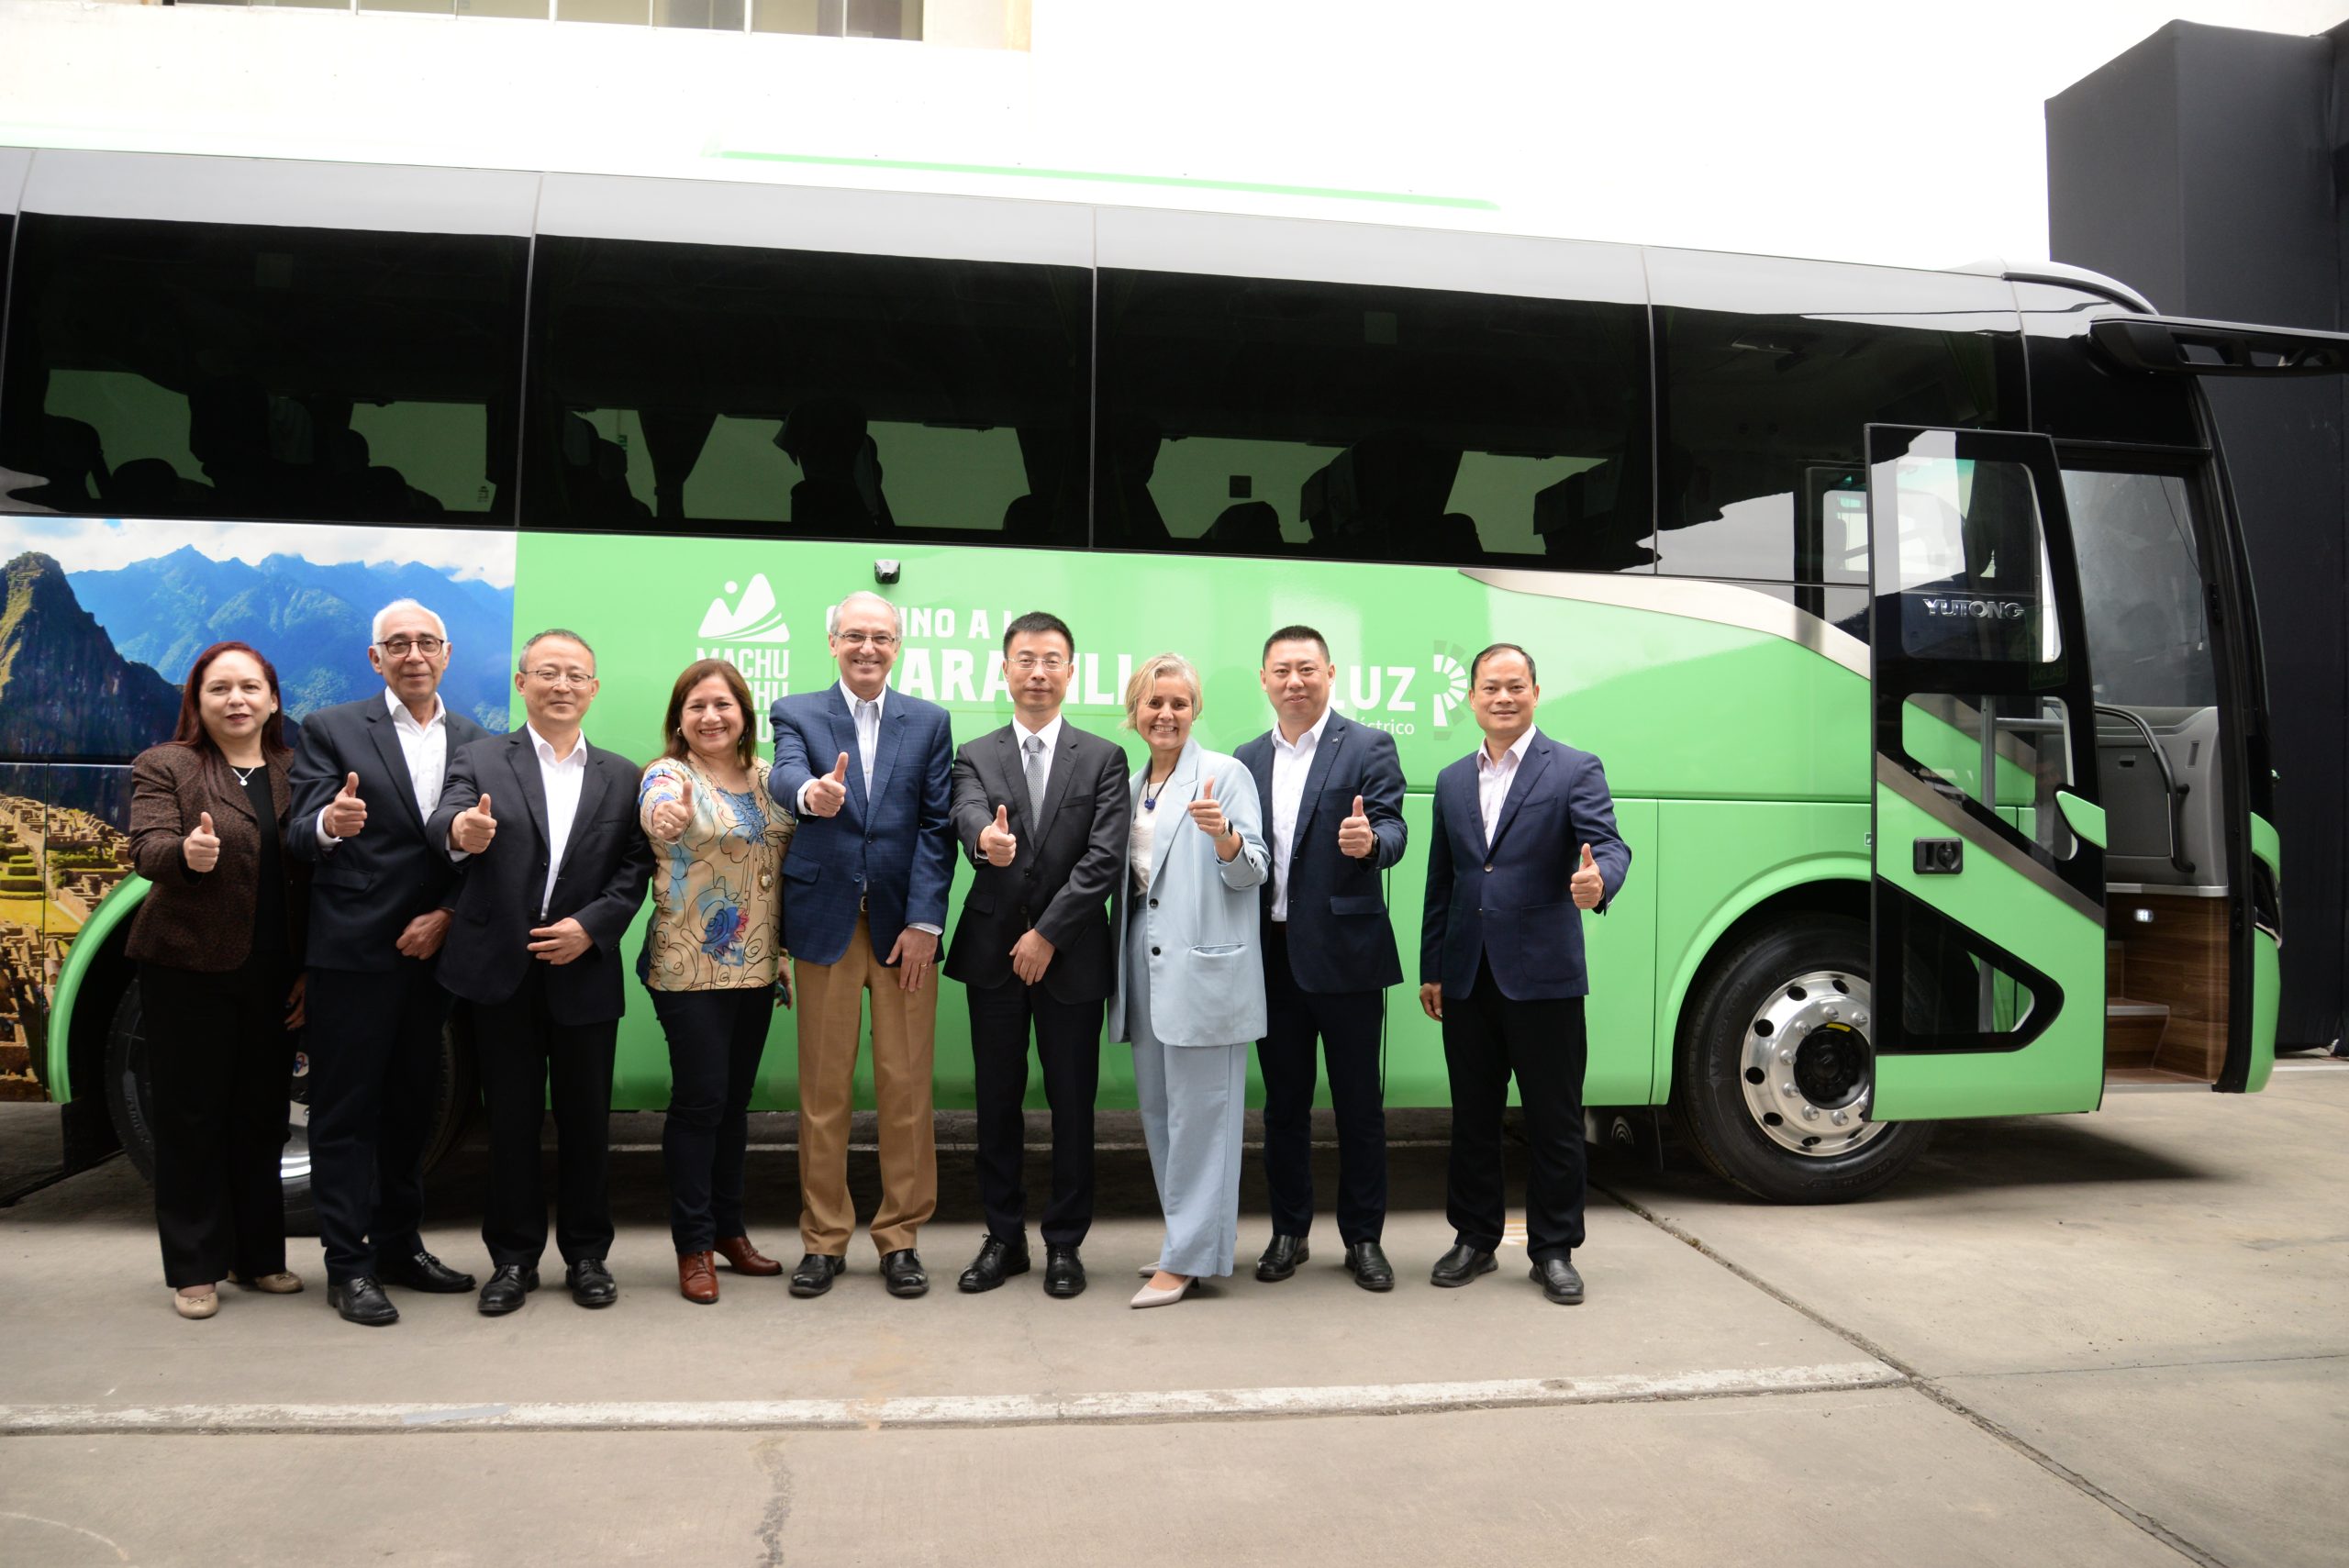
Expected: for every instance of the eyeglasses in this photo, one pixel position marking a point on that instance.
(548, 675)
(859, 638)
(1027, 661)
(401, 647)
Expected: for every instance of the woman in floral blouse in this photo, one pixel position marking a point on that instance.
(712, 957)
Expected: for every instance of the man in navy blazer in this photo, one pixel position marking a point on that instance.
(864, 899)
(1523, 840)
(1332, 794)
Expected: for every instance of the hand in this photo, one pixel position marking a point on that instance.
(1431, 1001)
(424, 934)
(827, 794)
(346, 813)
(1030, 956)
(200, 850)
(1354, 837)
(671, 818)
(997, 840)
(473, 828)
(782, 981)
(560, 942)
(1208, 813)
(296, 1013)
(1587, 885)
(911, 954)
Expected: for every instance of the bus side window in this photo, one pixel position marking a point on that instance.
(165, 369)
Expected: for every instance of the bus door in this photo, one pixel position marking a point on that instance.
(1989, 877)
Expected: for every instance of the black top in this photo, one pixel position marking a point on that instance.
(268, 903)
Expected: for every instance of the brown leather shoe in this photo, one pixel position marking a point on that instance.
(745, 1258)
(696, 1277)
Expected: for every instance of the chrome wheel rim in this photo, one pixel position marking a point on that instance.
(1807, 1067)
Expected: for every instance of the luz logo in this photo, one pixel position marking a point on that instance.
(756, 619)
(1451, 683)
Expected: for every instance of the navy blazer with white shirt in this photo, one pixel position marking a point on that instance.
(1508, 903)
(1338, 935)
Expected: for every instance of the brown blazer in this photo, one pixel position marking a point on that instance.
(204, 921)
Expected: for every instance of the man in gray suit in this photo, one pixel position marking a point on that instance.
(1040, 807)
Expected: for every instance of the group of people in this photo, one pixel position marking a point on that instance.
(400, 858)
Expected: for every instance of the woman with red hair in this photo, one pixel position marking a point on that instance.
(218, 945)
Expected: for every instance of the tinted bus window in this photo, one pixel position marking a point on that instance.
(1262, 417)
(217, 371)
(1763, 424)
(807, 393)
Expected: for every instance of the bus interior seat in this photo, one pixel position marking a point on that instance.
(595, 475)
(1052, 512)
(71, 465)
(1383, 496)
(839, 491)
(1130, 511)
(151, 486)
(1582, 530)
(1250, 528)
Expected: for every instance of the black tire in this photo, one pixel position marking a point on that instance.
(1710, 1103)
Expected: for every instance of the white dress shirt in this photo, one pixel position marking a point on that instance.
(563, 778)
(867, 720)
(424, 747)
(1290, 766)
(1493, 780)
(1050, 735)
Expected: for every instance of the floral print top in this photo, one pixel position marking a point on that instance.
(717, 891)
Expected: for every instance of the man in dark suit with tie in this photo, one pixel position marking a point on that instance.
(1523, 839)
(865, 900)
(1332, 792)
(381, 896)
(555, 868)
(1042, 808)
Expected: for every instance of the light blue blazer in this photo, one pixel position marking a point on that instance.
(1206, 963)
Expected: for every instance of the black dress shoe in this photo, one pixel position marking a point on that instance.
(361, 1301)
(816, 1273)
(1064, 1273)
(1280, 1260)
(997, 1261)
(591, 1282)
(1460, 1265)
(508, 1284)
(1369, 1266)
(423, 1272)
(1559, 1282)
(901, 1271)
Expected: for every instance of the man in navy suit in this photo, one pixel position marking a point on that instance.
(1333, 805)
(1524, 839)
(868, 772)
(381, 896)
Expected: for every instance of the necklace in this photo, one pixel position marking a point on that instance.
(1150, 796)
(245, 776)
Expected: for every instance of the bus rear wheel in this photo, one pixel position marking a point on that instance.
(1774, 1068)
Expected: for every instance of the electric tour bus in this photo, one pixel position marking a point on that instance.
(1908, 609)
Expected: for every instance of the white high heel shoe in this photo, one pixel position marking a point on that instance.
(1149, 1296)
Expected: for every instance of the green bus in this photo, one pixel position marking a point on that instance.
(1908, 609)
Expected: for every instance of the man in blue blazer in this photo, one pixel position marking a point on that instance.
(1332, 794)
(868, 772)
(1523, 839)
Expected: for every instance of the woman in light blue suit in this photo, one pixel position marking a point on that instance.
(1190, 990)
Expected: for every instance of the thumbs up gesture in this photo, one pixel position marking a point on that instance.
(473, 827)
(829, 793)
(201, 850)
(1354, 837)
(671, 818)
(997, 840)
(1207, 812)
(346, 813)
(1587, 885)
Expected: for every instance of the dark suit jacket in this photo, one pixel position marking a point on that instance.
(203, 920)
(365, 890)
(1338, 936)
(1507, 902)
(605, 865)
(1068, 862)
(893, 852)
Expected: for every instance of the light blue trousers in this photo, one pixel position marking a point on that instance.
(1194, 1111)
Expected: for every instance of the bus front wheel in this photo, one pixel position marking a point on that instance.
(1774, 1067)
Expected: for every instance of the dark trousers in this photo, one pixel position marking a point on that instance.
(1068, 1046)
(1346, 1024)
(1486, 1036)
(524, 1055)
(220, 1062)
(716, 1038)
(375, 1045)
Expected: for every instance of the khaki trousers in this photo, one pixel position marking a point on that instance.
(831, 1004)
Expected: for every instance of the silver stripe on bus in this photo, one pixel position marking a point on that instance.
(281, 193)
(1690, 598)
(14, 163)
(1950, 814)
